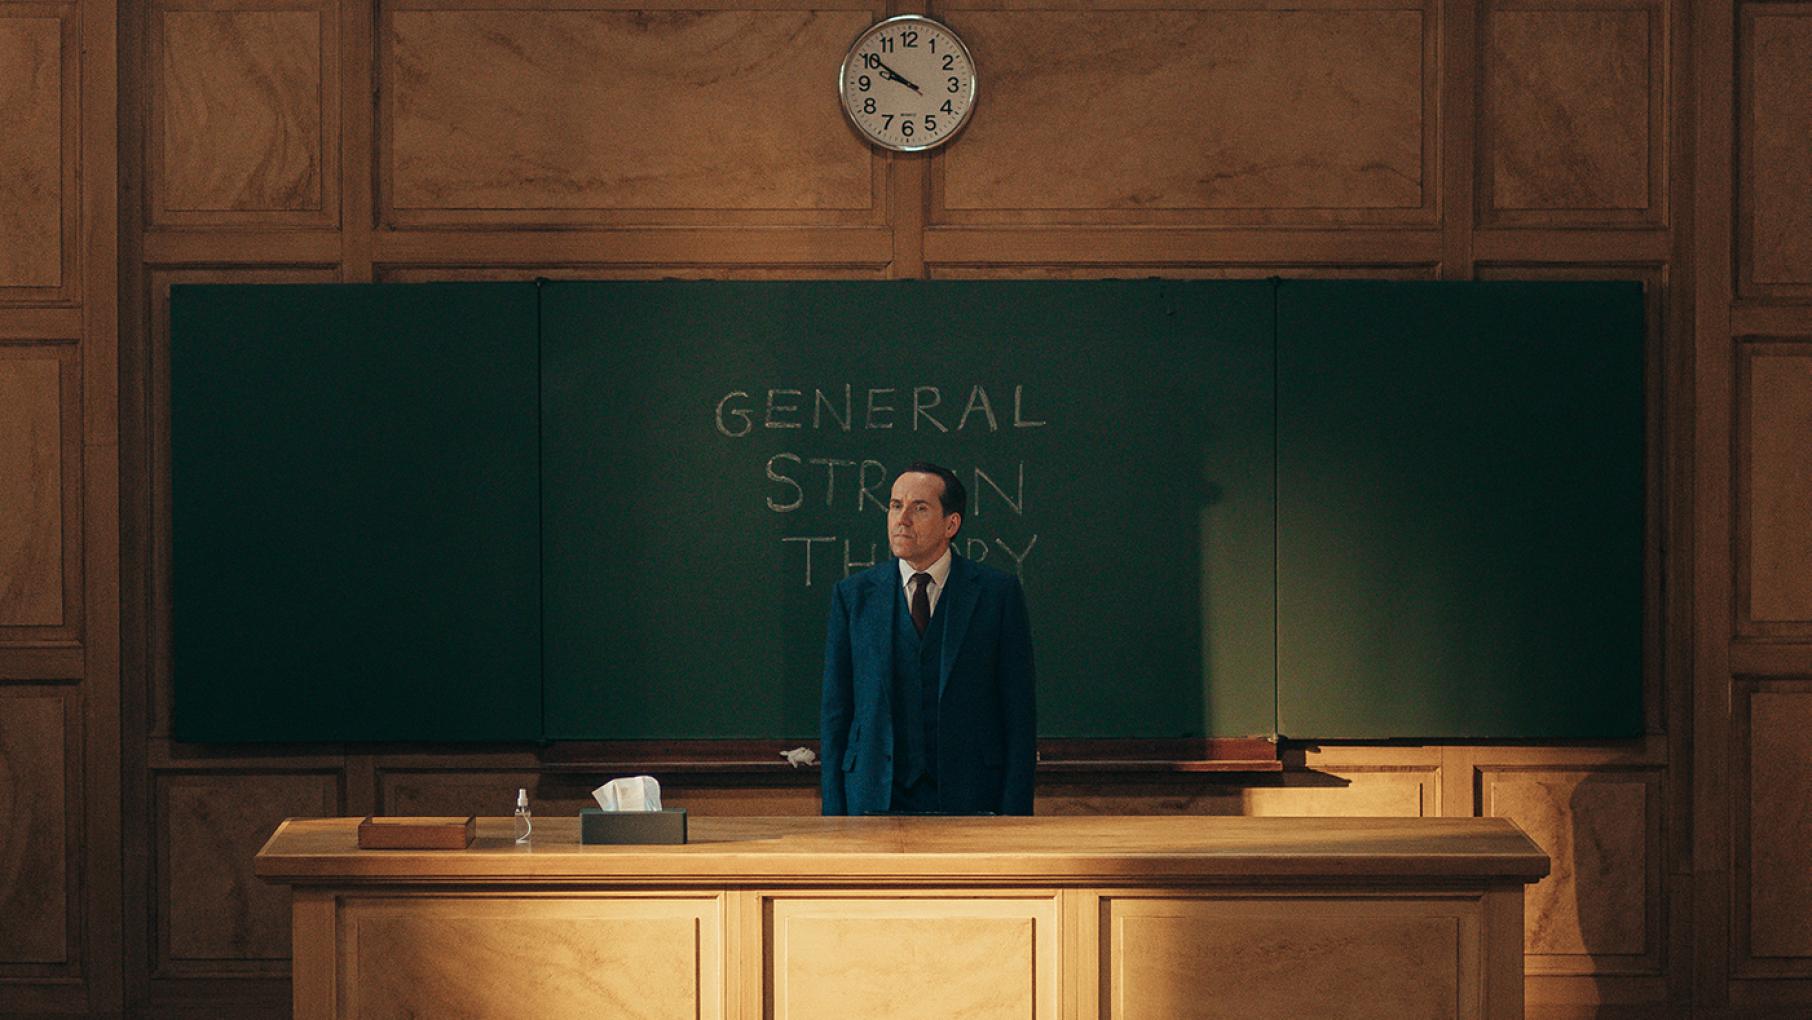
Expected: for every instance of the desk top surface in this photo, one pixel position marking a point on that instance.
(892, 850)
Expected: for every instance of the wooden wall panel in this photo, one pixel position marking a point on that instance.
(37, 878)
(32, 192)
(535, 115)
(32, 475)
(1773, 751)
(1774, 232)
(409, 791)
(1774, 512)
(1574, 113)
(1192, 264)
(1204, 115)
(213, 915)
(617, 271)
(442, 792)
(1599, 910)
(244, 121)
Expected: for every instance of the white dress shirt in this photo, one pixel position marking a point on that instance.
(939, 571)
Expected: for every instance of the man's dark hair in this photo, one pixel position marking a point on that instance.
(955, 499)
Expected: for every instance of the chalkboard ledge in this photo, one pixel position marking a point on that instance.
(1064, 756)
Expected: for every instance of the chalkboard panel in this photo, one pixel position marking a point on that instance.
(1459, 509)
(717, 455)
(614, 511)
(355, 533)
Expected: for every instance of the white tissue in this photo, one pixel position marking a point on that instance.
(637, 793)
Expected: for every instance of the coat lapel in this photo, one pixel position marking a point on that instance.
(959, 599)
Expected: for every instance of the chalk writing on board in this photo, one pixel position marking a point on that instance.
(842, 557)
(911, 408)
(994, 525)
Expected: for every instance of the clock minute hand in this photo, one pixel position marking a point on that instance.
(893, 75)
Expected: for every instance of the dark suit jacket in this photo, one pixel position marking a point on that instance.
(986, 724)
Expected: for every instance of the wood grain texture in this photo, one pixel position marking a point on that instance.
(210, 907)
(1779, 824)
(1571, 109)
(639, 959)
(32, 479)
(1384, 792)
(1776, 160)
(409, 791)
(1205, 115)
(901, 959)
(31, 153)
(1774, 530)
(907, 851)
(1194, 959)
(1602, 832)
(1047, 242)
(34, 815)
(582, 115)
(239, 102)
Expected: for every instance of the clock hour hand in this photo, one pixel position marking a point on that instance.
(893, 75)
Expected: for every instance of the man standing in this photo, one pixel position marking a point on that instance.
(928, 680)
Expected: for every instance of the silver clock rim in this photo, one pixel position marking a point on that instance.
(843, 82)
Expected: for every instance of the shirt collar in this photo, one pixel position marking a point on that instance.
(939, 571)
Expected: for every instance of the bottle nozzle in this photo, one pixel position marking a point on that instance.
(522, 798)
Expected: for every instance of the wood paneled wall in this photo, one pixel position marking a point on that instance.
(404, 140)
(60, 555)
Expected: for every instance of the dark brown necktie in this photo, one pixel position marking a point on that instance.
(921, 602)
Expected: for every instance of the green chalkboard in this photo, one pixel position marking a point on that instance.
(1459, 509)
(717, 455)
(354, 520)
(596, 511)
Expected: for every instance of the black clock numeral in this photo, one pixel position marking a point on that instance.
(956, 85)
(887, 44)
(863, 83)
(910, 40)
(906, 128)
(886, 121)
(949, 61)
(871, 60)
(946, 108)
(934, 44)
(868, 105)
(931, 123)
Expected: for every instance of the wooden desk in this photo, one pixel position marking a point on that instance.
(876, 918)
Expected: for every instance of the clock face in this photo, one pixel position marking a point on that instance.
(907, 83)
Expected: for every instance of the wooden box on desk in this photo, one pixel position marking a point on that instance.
(417, 833)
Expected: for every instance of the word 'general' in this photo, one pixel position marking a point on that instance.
(881, 408)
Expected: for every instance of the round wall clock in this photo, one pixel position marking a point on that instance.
(907, 83)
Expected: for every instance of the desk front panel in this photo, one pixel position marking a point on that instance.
(520, 954)
(974, 955)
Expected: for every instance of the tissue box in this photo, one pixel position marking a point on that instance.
(622, 827)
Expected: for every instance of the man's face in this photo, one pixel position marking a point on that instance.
(918, 530)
